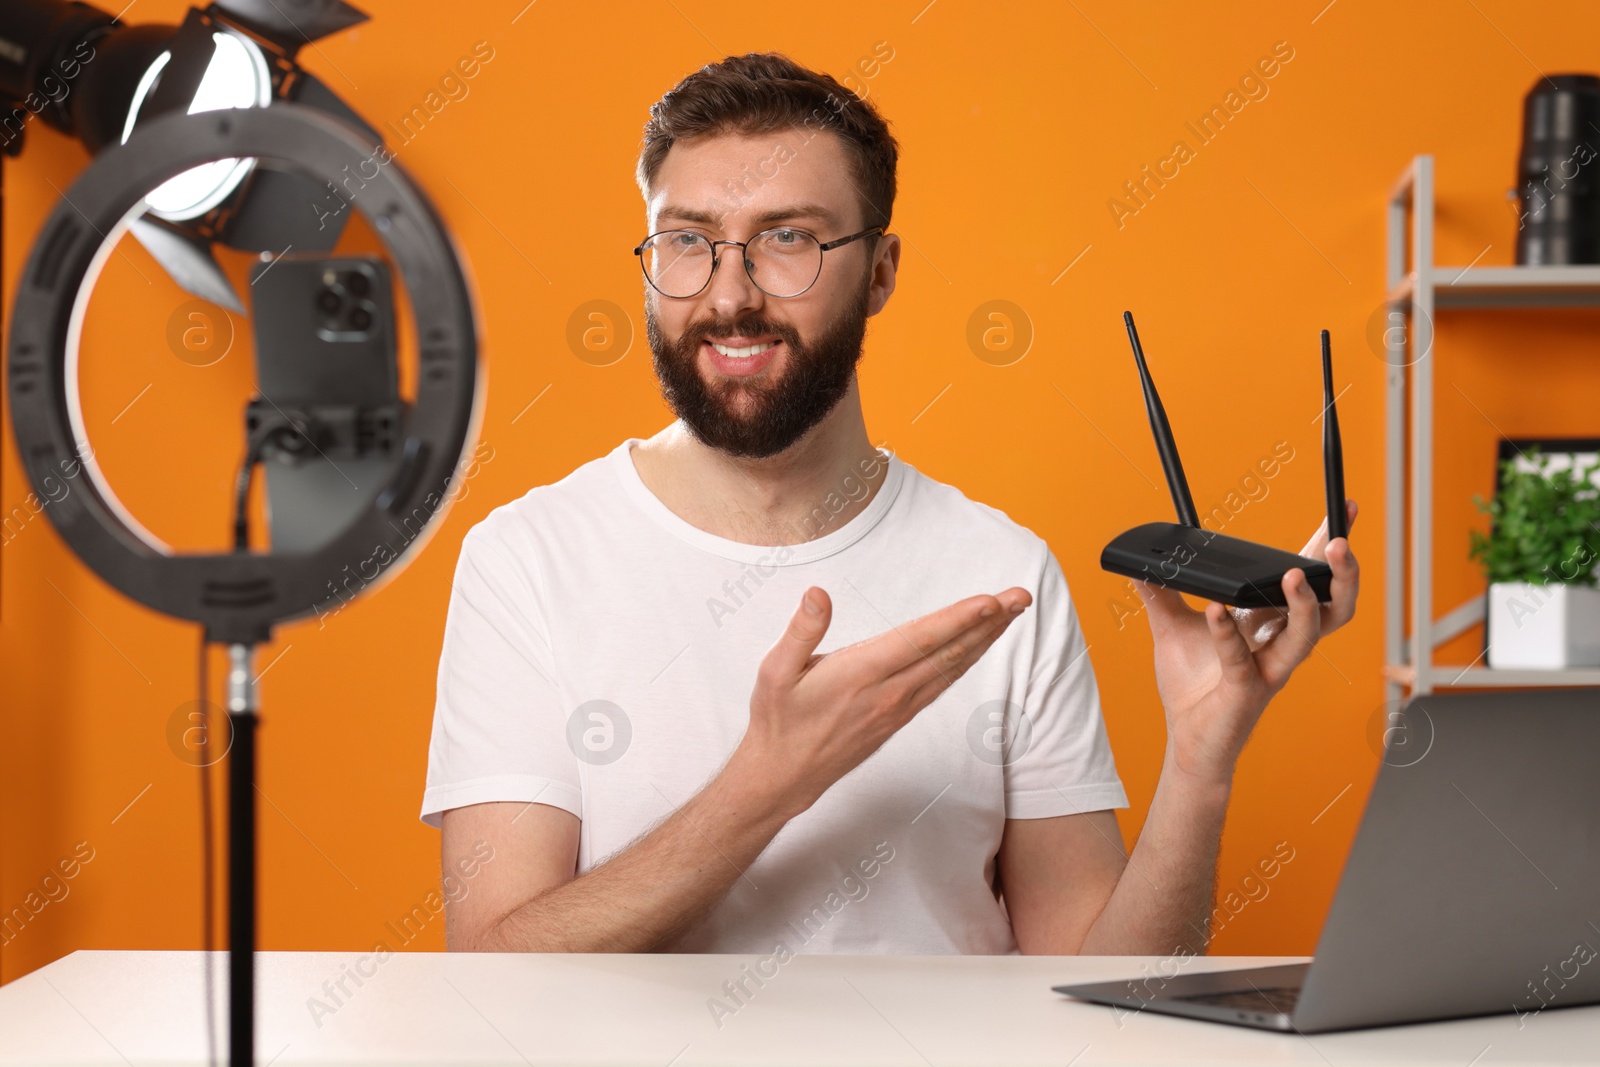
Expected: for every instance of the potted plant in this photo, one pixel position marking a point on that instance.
(1539, 556)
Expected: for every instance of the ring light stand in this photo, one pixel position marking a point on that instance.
(238, 597)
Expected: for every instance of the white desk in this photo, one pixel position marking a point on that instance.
(147, 1007)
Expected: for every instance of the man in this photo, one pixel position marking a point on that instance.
(751, 685)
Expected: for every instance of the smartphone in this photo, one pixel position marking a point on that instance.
(325, 345)
(324, 331)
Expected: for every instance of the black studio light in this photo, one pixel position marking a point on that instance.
(84, 72)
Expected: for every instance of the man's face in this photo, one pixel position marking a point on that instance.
(758, 405)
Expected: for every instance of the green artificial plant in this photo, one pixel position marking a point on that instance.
(1544, 526)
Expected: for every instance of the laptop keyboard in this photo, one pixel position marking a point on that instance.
(1273, 999)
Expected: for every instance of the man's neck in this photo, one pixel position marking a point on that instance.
(807, 491)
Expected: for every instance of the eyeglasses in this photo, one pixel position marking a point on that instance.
(782, 262)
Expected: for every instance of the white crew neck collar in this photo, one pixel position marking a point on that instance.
(835, 540)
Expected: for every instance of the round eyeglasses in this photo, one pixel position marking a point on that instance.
(782, 262)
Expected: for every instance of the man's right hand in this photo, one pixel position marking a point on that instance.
(815, 717)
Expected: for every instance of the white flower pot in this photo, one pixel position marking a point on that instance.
(1550, 626)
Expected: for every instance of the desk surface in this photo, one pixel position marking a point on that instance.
(114, 1007)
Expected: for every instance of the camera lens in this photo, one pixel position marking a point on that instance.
(358, 283)
(328, 301)
(360, 318)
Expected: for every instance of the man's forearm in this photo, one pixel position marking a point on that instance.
(651, 891)
(1163, 901)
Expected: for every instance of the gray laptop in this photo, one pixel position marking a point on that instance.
(1473, 885)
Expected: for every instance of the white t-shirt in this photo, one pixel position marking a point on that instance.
(600, 651)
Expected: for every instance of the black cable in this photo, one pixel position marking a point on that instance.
(207, 859)
(241, 498)
(286, 438)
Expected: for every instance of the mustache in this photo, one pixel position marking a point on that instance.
(694, 334)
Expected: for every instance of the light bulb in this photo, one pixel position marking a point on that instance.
(236, 76)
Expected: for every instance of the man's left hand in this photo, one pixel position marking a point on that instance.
(1216, 669)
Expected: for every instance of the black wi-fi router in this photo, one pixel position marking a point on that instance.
(1185, 556)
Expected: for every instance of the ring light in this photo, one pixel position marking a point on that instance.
(239, 597)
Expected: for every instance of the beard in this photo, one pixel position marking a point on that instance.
(756, 417)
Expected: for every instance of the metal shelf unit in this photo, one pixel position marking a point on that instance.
(1418, 290)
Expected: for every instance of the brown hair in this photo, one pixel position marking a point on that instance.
(760, 92)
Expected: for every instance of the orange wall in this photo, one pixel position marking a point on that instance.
(1018, 124)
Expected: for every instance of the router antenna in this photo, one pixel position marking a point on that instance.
(1332, 451)
(1165, 445)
